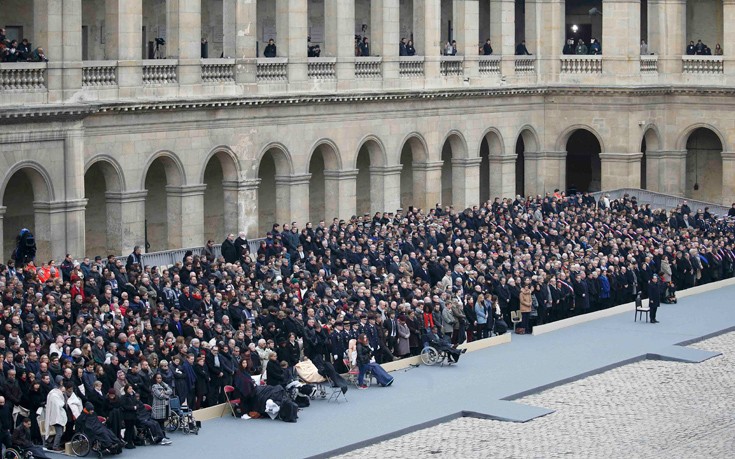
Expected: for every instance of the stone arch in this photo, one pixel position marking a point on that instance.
(419, 148)
(113, 172)
(651, 141)
(561, 143)
(324, 158)
(703, 165)
(681, 143)
(414, 156)
(174, 168)
(529, 136)
(281, 158)
(330, 153)
(495, 142)
(104, 183)
(228, 161)
(458, 143)
(26, 188)
(370, 182)
(454, 146)
(274, 162)
(583, 164)
(491, 145)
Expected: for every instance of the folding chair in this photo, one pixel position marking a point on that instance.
(640, 309)
(515, 318)
(231, 402)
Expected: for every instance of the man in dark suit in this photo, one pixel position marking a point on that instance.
(654, 297)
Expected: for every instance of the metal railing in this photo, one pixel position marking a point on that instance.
(166, 258)
(661, 200)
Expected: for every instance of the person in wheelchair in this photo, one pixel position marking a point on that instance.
(365, 363)
(442, 344)
(22, 441)
(145, 421)
(90, 425)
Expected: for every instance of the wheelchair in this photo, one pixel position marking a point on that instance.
(180, 418)
(431, 355)
(17, 453)
(81, 445)
(354, 374)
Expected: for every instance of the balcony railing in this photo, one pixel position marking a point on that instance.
(272, 69)
(703, 65)
(525, 65)
(489, 65)
(218, 70)
(322, 68)
(23, 76)
(98, 74)
(451, 66)
(160, 72)
(368, 68)
(649, 65)
(411, 67)
(581, 64)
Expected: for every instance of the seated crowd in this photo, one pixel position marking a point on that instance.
(111, 336)
(12, 51)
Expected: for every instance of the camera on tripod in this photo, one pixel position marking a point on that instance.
(160, 41)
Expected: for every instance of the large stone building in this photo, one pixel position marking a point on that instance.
(116, 141)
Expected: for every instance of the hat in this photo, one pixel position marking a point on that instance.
(88, 406)
(76, 352)
(111, 391)
(59, 379)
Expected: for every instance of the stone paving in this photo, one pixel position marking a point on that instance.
(648, 409)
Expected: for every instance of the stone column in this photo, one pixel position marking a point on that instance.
(503, 33)
(427, 178)
(620, 170)
(465, 182)
(666, 171)
(240, 37)
(293, 31)
(385, 25)
(466, 31)
(123, 25)
(74, 189)
(185, 215)
(385, 185)
(242, 196)
(427, 35)
(728, 176)
(728, 41)
(341, 193)
(58, 30)
(184, 30)
(545, 24)
(339, 26)
(544, 171)
(50, 234)
(667, 33)
(292, 199)
(502, 176)
(125, 220)
(5, 250)
(621, 38)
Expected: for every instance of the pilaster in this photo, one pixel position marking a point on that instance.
(5, 250)
(667, 33)
(125, 220)
(339, 26)
(385, 181)
(666, 171)
(503, 33)
(426, 189)
(385, 25)
(242, 196)
(123, 25)
(544, 171)
(58, 30)
(427, 36)
(184, 30)
(466, 31)
(292, 198)
(51, 240)
(728, 177)
(502, 175)
(621, 37)
(240, 37)
(293, 31)
(341, 190)
(185, 215)
(728, 37)
(465, 182)
(546, 24)
(620, 170)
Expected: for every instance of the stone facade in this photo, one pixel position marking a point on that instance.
(99, 156)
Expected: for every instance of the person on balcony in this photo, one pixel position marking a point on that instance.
(644, 48)
(365, 47)
(718, 50)
(270, 49)
(448, 49)
(487, 48)
(38, 55)
(569, 47)
(691, 49)
(595, 47)
(402, 49)
(581, 48)
(521, 49)
(410, 50)
(699, 47)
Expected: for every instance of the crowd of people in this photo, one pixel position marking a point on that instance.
(109, 336)
(12, 51)
(579, 47)
(701, 49)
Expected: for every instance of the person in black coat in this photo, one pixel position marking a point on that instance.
(654, 297)
(129, 405)
(202, 381)
(275, 374)
(229, 251)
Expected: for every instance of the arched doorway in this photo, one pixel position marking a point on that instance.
(704, 166)
(162, 219)
(100, 239)
(446, 180)
(415, 191)
(644, 171)
(24, 188)
(273, 164)
(220, 204)
(484, 171)
(369, 186)
(406, 176)
(323, 197)
(520, 167)
(583, 168)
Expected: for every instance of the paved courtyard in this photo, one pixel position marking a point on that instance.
(647, 409)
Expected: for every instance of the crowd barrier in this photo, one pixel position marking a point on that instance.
(661, 200)
(168, 258)
(222, 409)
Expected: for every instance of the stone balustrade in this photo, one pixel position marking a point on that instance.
(489, 65)
(649, 65)
(23, 76)
(451, 66)
(703, 65)
(525, 65)
(218, 70)
(159, 72)
(96, 74)
(322, 68)
(581, 64)
(411, 66)
(368, 67)
(272, 70)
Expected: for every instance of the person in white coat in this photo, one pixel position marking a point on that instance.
(55, 415)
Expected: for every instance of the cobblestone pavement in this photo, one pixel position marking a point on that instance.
(648, 409)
